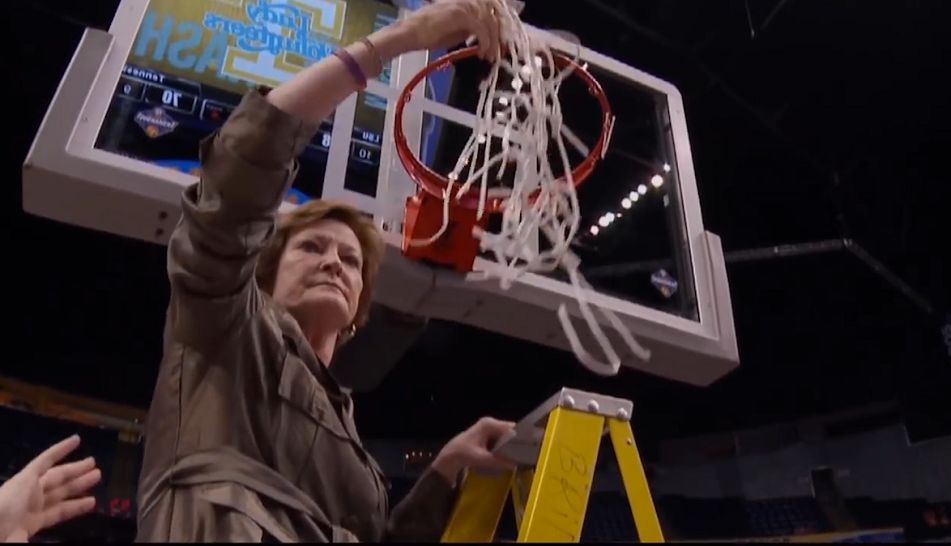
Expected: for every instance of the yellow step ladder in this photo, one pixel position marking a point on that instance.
(556, 449)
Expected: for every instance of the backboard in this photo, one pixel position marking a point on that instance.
(119, 143)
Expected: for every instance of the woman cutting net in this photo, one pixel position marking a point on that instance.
(249, 438)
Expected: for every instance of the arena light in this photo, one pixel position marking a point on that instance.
(595, 230)
(657, 180)
(626, 203)
(666, 167)
(642, 189)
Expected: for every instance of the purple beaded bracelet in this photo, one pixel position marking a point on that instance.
(352, 66)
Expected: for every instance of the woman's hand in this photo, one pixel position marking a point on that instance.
(44, 494)
(446, 23)
(313, 94)
(472, 448)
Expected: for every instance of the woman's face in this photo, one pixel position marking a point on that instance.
(319, 276)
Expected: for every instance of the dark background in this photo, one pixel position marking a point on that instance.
(809, 120)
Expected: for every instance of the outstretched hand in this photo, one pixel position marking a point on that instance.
(45, 493)
(446, 23)
(473, 448)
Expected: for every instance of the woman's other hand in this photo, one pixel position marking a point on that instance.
(473, 448)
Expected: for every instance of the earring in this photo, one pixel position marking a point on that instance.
(351, 330)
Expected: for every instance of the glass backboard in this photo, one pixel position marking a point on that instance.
(124, 126)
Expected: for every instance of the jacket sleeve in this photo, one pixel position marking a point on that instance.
(229, 216)
(423, 514)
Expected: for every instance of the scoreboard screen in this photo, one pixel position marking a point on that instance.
(191, 63)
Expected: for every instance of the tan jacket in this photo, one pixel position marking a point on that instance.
(249, 438)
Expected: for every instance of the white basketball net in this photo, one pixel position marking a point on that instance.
(526, 115)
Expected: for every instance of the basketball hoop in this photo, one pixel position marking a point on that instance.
(426, 210)
(445, 221)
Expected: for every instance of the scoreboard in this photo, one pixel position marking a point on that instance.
(175, 90)
(159, 117)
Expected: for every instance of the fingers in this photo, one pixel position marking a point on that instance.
(486, 460)
(495, 423)
(74, 487)
(58, 475)
(501, 463)
(481, 23)
(66, 510)
(55, 453)
(490, 20)
(496, 36)
(18, 536)
(494, 428)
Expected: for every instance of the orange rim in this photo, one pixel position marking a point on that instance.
(435, 184)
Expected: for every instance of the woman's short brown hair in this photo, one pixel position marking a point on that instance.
(308, 214)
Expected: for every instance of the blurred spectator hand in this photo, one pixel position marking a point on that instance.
(45, 493)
